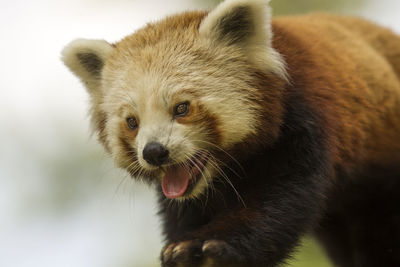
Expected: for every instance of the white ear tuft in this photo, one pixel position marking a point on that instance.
(86, 58)
(246, 24)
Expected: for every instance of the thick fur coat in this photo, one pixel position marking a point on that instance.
(256, 132)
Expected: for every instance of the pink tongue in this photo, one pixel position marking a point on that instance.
(175, 181)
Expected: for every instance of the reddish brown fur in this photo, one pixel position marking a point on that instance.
(329, 65)
(325, 147)
(161, 31)
(360, 101)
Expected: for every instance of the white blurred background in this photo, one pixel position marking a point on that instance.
(62, 203)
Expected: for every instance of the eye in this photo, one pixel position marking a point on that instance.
(132, 123)
(181, 110)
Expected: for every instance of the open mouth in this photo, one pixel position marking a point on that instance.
(179, 178)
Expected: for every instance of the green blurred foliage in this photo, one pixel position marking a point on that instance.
(309, 254)
(284, 7)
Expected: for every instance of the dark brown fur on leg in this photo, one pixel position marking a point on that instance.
(362, 227)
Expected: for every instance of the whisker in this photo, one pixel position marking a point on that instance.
(220, 162)
(224, 151)
(201, 173)
(224, 176)
(124, 179)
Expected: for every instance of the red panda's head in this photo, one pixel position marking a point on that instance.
(173, 102)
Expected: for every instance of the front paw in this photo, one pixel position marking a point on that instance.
(199, 253)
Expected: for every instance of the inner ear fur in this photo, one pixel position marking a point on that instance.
(86, 58)
(236, 26)
(247, 25)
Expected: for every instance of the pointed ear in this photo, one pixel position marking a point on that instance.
(247, 25)
(86, 58)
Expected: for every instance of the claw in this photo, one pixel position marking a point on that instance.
(197, 253)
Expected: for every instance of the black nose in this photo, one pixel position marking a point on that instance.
(155, 153)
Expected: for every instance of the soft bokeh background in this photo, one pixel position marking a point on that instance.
(62, 203)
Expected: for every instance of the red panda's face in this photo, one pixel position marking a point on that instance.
(172, 100)
(172, 109)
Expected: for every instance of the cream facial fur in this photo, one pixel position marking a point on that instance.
(85, 58)
(207, 61)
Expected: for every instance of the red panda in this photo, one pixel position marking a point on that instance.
(256, 131)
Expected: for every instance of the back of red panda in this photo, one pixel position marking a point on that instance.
(350, 78)
(348, 68)
(381, 39)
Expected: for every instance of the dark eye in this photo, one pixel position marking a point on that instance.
(132, 123)
(182, 109)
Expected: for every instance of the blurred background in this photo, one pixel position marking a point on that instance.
(62, 203)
